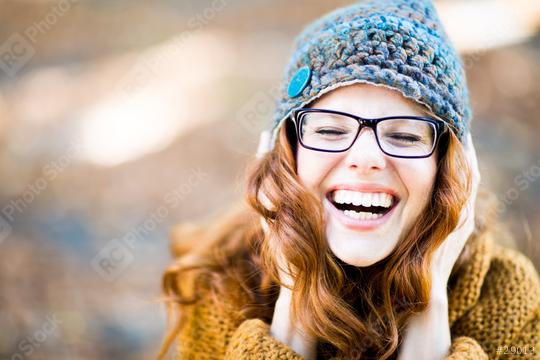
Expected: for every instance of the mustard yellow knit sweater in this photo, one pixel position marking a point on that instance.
(494, 313)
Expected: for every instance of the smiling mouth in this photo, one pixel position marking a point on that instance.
(362, 205)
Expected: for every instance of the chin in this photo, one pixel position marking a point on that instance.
(359, 250)
(358, 261)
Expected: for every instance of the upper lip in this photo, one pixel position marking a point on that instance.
(367, 187)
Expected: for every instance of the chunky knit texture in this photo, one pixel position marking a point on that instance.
(400, 44)
(494, 301)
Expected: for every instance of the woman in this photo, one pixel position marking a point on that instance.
(364, 237)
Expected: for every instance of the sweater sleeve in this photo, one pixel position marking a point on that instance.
(252, 340)
(466, 348)
(214, 331)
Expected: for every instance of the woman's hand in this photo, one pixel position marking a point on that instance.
(282, 328)
(428, 333)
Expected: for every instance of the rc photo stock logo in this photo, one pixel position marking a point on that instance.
(29, 346)
(258, 109)
(118, 254)
(112, 260)
(15, 53)
(18, 49)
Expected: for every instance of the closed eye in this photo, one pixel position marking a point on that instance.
(405, 137)
(330, 132)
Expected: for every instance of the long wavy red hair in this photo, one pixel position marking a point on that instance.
(353, 312)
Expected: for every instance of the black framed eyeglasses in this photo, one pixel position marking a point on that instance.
(398, 136)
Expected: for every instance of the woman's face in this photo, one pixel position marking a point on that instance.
(364, 173)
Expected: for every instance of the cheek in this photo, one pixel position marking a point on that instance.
(418, 176)
(312, 166)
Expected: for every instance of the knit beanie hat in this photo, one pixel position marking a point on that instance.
(400, 44)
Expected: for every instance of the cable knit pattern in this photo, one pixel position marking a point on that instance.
(494, 302)
(400, 44)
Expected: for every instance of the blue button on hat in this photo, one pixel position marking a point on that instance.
(299, 82)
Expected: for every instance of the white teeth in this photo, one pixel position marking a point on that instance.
(376, 200)
(362, 215)
(365, 199)
(361, 198)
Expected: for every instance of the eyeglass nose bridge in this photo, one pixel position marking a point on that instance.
(370, 123)
(367, 122)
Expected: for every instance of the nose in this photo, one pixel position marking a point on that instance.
(365, 155)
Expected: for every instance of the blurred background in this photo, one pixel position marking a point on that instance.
(121, 118)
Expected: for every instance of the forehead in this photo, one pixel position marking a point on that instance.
(369, 100)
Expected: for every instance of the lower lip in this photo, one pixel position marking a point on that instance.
(357, 224)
